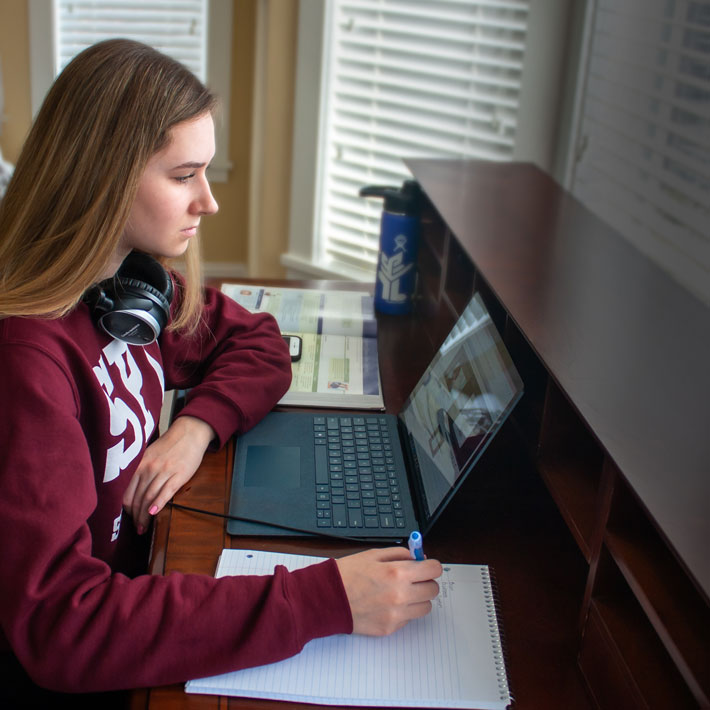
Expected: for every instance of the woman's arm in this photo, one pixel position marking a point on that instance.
(237, 367)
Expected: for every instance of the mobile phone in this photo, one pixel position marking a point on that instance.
(294, 346)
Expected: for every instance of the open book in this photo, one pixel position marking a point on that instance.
(338, 365)
(450, 658)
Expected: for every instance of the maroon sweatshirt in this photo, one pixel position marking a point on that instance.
(78, 410)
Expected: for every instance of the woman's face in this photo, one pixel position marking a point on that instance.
(173, 193)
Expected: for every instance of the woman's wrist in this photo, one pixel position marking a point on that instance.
(196, 429)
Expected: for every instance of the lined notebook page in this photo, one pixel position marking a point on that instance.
(450, 658)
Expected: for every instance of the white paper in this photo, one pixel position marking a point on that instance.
(450, 658)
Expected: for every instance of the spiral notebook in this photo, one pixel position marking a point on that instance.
(451, 658)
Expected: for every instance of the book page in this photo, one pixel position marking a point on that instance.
(339, 364)
(450, 658)
(300, 310)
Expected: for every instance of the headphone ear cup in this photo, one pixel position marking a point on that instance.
(135, 288)
(134, 305)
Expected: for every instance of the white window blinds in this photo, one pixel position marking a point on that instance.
(643, 152)
(403, 80)
(176, 27)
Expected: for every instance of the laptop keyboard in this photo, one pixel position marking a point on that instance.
(356, 479)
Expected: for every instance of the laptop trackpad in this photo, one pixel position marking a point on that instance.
(269, 466)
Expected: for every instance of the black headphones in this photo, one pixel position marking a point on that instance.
(134, 305)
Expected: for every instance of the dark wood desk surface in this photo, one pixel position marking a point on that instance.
(502, 516)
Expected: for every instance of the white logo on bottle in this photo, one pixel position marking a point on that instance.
(392, 269)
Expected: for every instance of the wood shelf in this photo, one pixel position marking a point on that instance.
(623, 632)
(673, 605)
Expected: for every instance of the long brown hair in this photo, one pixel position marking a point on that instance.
(66, 206)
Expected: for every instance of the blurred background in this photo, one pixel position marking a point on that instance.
(322, 97)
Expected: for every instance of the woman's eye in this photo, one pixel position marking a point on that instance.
(185, 178)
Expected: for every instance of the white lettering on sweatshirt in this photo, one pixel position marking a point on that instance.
(132, 423)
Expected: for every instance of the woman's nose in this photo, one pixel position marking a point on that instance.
(205, 203)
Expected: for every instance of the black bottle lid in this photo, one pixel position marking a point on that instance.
(403, 200)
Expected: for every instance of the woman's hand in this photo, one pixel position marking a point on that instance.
(167, 464)
(386, 588)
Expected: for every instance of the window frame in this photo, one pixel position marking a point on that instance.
(542, 84)
(42, 22)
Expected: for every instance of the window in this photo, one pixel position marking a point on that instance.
(642, 158)
(382, 80)
(195, 32)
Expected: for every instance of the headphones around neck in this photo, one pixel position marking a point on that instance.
(134, 305)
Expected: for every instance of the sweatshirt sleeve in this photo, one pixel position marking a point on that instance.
(75, 625)
(237, 366)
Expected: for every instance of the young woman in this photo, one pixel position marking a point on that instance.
(113, 173)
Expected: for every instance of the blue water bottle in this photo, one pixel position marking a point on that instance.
(399, 242)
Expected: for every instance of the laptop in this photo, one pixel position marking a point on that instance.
(372, 476)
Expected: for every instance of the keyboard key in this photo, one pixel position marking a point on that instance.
(321, 465)
(340, 516)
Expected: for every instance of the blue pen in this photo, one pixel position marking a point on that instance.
(415, 546)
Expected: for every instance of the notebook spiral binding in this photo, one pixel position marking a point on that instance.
(496, 633)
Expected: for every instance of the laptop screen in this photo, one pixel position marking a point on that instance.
(461, 400)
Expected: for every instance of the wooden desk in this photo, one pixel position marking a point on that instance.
(502, 516)
(592, 503)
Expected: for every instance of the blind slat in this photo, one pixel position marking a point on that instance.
(178, 28)
(499, 15)
(411, 80)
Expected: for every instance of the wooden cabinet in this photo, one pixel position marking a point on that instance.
(615, 358)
